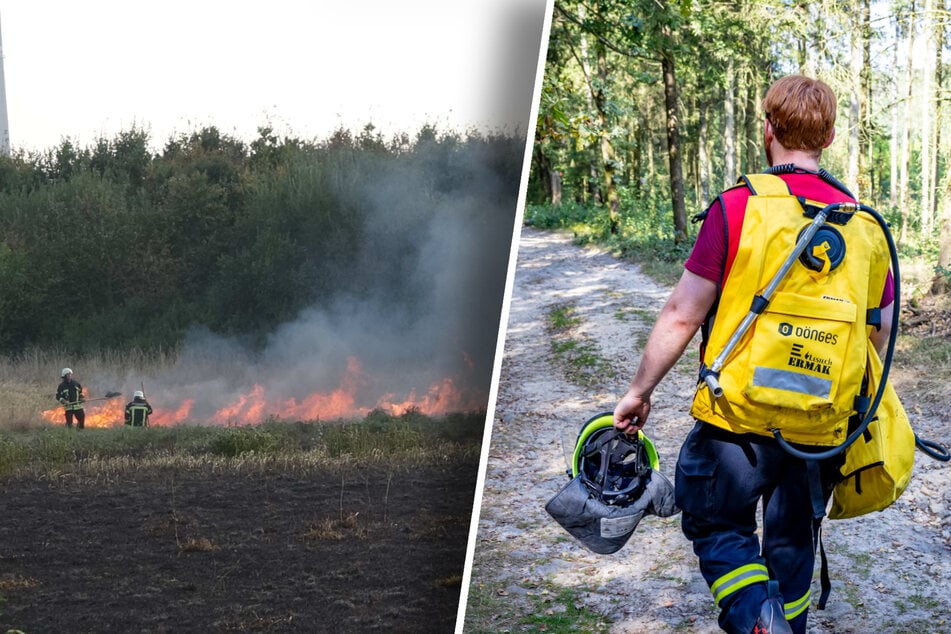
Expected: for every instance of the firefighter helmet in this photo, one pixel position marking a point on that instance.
(138, 394)
(65, 372)
(615, 481)
(611, 463)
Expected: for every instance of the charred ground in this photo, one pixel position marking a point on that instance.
(238, 544)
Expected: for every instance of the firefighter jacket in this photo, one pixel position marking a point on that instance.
(137, 413)
(70, 394)
(800, 367)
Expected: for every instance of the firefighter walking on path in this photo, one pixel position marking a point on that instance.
(138, 410)
(71, 397)
(729, 461)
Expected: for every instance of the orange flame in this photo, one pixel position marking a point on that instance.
(255, 406)
(167, 418)
(103, 414)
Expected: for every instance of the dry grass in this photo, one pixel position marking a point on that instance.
(452, 581)
(337, 529)
(197, 545)
(13, 583)
(431, 526)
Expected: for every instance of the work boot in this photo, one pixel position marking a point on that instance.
(772, 618)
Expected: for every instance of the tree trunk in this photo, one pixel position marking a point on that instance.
(608, 163)
(554, 179)
(802, 39)
(941, 282)
(703, 156)
(649, 144)
(591, 182)
(673, 146)
(894, 144)
(855, 100)
(867, 164)
(941, 40)
(759, 153)
(749, 137)
(926, 134)
(729, 128)
(906, 133)
(543, 169)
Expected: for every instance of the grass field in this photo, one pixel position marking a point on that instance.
(284, 526)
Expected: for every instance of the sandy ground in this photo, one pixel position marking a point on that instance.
(890, 570)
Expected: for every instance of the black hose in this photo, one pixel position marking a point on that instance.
(886, 362)
(933, 449)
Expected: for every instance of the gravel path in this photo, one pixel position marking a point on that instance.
(890, 570)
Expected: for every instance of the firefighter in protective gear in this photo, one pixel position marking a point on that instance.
(723, 474)
(138, 410)
(70, 396)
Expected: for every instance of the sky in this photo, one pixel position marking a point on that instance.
(86, 70)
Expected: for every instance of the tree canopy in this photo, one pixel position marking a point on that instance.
(651, 107)
(114, 246)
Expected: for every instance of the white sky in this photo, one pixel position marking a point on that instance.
(88, 69)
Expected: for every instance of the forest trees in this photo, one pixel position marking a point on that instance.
(115, 247)
(650, 107)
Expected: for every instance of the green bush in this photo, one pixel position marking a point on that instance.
(235, 441)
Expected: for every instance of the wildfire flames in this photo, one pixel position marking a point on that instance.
(256, 405)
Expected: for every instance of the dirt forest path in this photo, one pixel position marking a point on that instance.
(890, 570)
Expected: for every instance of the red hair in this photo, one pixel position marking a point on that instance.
(801, 112)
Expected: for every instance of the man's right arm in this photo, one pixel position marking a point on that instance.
(678, 322)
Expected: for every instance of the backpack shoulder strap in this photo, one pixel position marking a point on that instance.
(765, 185)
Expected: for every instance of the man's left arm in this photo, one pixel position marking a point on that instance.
(880, 335)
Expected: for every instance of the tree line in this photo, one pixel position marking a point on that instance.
(650, 107)
(113, 246)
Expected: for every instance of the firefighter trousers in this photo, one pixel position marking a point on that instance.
(721, 478)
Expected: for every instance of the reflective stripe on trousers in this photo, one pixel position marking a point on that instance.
(737, 580)
(797, 607)
(721, 477)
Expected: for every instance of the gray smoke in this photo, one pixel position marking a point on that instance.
(422, 300)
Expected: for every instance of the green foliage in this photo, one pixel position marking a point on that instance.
(944, 272)
(235, 441)
(384, 433)
(576, 353)
(602, 114)
(573, 216)
(660, 258)
(563, 317)
(112, 246)
(561, 612)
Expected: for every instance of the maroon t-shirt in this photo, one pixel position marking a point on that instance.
(711, 256)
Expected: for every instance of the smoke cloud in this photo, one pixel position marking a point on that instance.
(412, 322)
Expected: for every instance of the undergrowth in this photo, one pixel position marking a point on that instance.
(409, 439)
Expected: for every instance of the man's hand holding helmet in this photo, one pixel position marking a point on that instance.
(631, 413)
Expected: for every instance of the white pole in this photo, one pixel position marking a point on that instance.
(4, 123)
